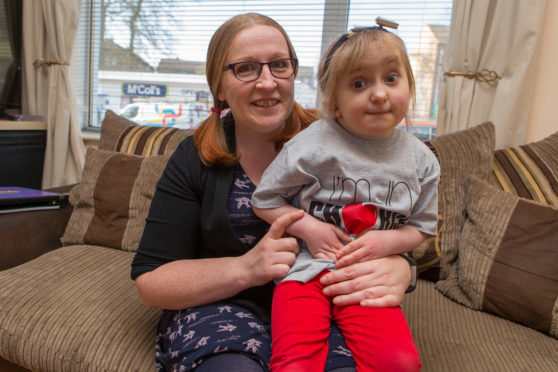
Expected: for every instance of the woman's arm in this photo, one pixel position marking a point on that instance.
(169, 268)
(185, 283)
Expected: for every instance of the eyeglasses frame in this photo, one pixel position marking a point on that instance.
(294, 62)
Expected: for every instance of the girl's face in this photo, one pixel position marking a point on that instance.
(260, 107)
(372, 99)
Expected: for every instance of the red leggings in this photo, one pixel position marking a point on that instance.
(379, 338)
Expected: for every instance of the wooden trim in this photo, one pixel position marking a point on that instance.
(22, 125)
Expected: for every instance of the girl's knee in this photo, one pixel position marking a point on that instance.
(400, 361)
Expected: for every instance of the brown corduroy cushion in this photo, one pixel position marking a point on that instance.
(462, 153)
(113, 198)
(76, 309)
(508, 257)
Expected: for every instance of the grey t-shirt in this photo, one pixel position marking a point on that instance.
(355, 183)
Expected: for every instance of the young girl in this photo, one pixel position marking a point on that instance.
(358, 179)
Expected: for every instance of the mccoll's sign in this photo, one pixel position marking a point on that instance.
(144, 90)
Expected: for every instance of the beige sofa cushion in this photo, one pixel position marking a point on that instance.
(462, 153)
(451, 337)
(113, 198)
(76, 309)
(508, 257)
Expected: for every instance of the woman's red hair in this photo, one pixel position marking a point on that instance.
(209, 136)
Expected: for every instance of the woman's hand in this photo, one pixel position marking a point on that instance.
(380, 282)
(274, 254)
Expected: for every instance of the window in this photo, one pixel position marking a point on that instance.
(10, 57)
(145, 58)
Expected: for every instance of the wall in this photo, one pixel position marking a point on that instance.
(543, 114)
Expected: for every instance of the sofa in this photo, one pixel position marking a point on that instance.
(486, 298)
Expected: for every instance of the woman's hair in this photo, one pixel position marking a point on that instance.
(209, 136)
(347, 52)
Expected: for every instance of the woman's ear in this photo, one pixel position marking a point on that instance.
(220, 95)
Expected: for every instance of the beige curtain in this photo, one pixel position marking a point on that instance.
(49, 28)
(492, 35)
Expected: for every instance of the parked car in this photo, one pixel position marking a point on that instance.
(179, 115)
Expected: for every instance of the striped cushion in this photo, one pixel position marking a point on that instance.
(113, 198)
(122, 135)
(76, 309)
(529, 171)
(507, 258)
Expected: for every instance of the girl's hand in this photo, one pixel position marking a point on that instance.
(379, 243)
(274, 254)
(380, 282)
(323, 239)
(368, 246)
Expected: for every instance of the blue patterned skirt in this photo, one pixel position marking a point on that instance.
(186, 338)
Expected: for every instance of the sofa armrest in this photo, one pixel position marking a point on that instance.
(27, 235)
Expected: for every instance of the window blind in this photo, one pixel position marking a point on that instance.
(146, 58)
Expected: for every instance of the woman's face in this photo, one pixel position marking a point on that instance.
(260, 107)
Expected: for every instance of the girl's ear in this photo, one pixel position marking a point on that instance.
(330, 107)
(337, 112)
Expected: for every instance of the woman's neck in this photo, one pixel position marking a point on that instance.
(255, 156)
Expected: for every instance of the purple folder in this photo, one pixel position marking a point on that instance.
(13, 196)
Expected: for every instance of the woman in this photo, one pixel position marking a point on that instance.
(204, 250)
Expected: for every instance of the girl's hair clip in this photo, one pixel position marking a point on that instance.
(384, 22)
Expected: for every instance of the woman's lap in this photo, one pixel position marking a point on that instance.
(240, 363)
(187, 338)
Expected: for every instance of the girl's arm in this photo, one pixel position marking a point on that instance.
(379, 243)
(323, 239)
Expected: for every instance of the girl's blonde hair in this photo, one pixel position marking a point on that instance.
(209, 136)
(347, 52)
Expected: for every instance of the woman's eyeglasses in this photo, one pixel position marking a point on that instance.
(249, 71)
